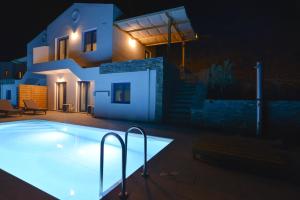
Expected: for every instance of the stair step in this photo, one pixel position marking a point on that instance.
(173, 118)
(186, 88)
(183, 98)
(184, 93)
(178, 113)
(180, 106)
(181, 103)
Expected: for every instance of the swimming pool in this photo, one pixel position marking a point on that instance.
(63, 159)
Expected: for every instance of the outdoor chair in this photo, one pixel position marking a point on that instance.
(7, 108)
(30, 105)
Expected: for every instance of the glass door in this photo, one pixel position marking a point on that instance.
(83, 95)
(61, 95)
(62, 48)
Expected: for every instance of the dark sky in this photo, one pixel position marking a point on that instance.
(261, 24)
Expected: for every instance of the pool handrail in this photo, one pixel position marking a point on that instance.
(123, 194)
(141, 130)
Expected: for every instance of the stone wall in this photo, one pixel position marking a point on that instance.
(141, 65)
(239, 116)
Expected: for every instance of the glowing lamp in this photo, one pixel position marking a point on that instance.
(132, 42)
(74, 35)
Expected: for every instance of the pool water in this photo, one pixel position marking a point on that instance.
(63, 159)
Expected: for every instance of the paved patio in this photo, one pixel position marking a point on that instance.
(173, 172)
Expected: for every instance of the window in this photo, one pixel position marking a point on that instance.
(62, 48)
(90, 41)
(6, 73)
(147, 54)
(121, 93)
(20, 75)
(8, 94)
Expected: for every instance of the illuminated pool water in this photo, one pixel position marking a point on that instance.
(63, 159)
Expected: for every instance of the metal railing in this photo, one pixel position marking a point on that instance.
(123, 194)
(145, 168)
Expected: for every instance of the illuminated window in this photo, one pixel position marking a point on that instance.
(20, 75)
(90, 41)
(62, 48)
(121, 93)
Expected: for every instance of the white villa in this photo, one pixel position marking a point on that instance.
(89, 59)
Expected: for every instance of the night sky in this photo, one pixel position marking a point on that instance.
(242, 30)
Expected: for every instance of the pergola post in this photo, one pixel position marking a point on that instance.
(169, 37)
(182, 56)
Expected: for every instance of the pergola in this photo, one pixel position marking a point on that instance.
(163, 27)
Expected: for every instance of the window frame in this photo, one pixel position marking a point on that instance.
(149, 53)
(113, 94)
(57, 47)
(84, 49)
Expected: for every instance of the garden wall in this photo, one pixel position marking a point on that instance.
(239, 116)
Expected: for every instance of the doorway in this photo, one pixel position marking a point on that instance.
(83, 95)
(62, 48)
(61, 94)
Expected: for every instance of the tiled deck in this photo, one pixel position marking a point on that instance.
(173, 172)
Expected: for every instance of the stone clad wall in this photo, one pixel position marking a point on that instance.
(141, 65)
(239, 116)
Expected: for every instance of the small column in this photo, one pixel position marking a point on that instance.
(259, 79)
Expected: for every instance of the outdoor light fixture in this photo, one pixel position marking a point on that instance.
(132, 42)
(74, 35)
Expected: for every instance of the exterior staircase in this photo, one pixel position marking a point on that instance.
(180, 107)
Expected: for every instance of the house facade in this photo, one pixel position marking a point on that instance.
(89, 60)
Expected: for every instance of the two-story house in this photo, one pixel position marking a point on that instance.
(87, 57)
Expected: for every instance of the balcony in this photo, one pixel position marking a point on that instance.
(40, 54)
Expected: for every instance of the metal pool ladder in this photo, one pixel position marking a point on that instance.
(145, 168)
(123, 194)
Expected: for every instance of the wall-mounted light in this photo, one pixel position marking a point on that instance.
(74, 35)
(196, 36)
(60, 78)
(132, 43)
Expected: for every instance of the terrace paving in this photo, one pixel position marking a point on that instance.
(174, 174)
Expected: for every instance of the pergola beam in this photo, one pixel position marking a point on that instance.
(161, 43)
(157, 35)
(155, 27)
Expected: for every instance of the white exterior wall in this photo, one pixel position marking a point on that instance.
(123, 51)
(71, 89)
(92, 16)
(112, 44)
(142, 96)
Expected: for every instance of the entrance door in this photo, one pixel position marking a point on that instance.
(61, 94)
(83, 95)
